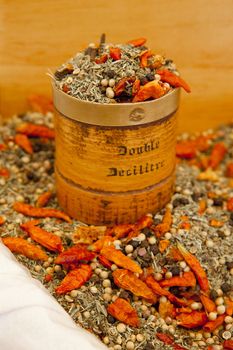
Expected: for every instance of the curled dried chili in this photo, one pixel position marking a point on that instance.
(186, 280)
(74, 279)
(124, 312)
(192, 320)
(22, 246)
(43, 199)
(23, 142)
(34, 130)
(174, 80)
(74, 255)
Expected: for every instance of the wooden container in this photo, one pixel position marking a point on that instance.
(115, 162)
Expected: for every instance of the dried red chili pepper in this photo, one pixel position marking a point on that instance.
(23, 142)
(48, 278)
(29, 210)
(155, 287)
(3, 147)
(144, 58)
(192, 320)
(196, 267)
(230, 204)
(22, 246)
(186, 280)
(45, 238)
(229, 306)
(88, 234)
(74, 279)
(175, 254)
(34, 130)
(228, 345)
(208, 304)
(171, 78)
(212, 325)
(116, 256)
(105, 262)
(143, 222)
(136, 87)
(40, 103)
(101, 59)
(115, 53)
(137, 42)
(101, 243)
(153, 89)
(187, 310)
(74, 255)
(124, 312)
(166, 308)
(4, 172)
(165, 225)
(218, 153)
(43, 199)
(127, 280)
(165, 338)
(163, 245)
(120, 231)
(120, 86)
(216, 223)
(186, 149)
(229, 170)
(202, 206)
(2, 220)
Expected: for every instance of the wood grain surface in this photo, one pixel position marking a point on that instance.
(198, 35)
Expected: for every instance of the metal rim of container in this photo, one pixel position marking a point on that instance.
(115, 114)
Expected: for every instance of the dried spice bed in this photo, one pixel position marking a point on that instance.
(201, 220)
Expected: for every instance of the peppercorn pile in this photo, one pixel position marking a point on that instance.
(118, 73)
(164, 282)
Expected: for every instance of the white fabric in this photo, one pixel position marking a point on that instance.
(30, 318)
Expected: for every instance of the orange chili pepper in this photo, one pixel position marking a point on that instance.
(137, 42)
(45, 238)
(74, 279)
(187, 310)
(229, 306)
(34, 130)
(186, 280)
(192, 320)
(127, 280)
(228, 345)
(48, 278)
(208, 304)
(185, 225)
(155, 287)
(144, 58)
(23, 142)
(212, 325)
(163, 245)
(230, 204)
(43, 199)
(22, 246)
(115, 53)
(196, 267)
(202, 206)
(175, 254)
(166, 309)
(119, 231)
(1, 220)
(74, 255)
(102, 59)
(165, 225)
(124, 312)
(153, 89)
(29, 210)
(116, 256)
(136, 87)
(120, 86)
(229, 170)
(216, 223)
(186, 149)
(40, 103)
(105, 262)
(143, 222)
(65, 88)
(173, 79)
(218, 153)
(4, 172)
(101, 243)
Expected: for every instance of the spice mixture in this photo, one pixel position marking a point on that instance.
(164, 282)
(110, 73)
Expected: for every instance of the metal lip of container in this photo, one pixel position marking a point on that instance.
(115, 114)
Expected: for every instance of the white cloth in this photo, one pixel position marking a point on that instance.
(30, 318)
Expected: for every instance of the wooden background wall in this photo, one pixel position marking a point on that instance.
(198, 35)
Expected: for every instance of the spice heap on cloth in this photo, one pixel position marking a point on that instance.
(164, 282)
(108, 73)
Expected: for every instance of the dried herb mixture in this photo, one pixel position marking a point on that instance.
(164, 282)
(108, 73)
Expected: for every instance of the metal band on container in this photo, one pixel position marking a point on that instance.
(116, 114)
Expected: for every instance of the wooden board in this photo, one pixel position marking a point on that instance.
(37, 35)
